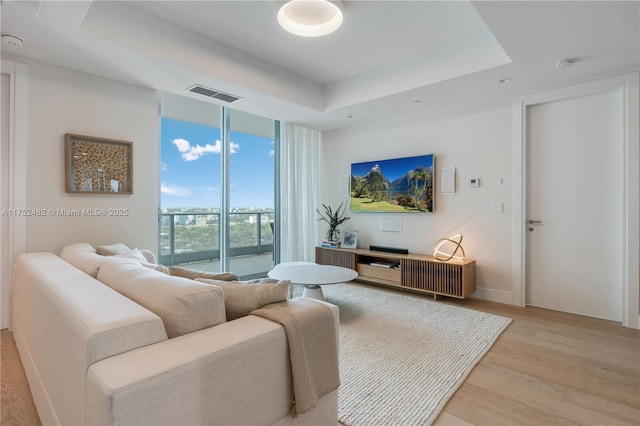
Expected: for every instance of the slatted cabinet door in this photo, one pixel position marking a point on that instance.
(449, 279)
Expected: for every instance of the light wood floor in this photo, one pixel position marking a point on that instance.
(547, 368)
(16, 405)
(551, 368)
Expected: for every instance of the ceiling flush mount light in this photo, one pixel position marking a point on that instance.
(11, 41)
(505, 80)
(310, 18)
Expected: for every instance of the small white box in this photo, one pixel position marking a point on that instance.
(391, 225)
(448, 180)
(497, 208)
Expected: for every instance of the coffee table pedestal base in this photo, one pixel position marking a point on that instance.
(313, 292)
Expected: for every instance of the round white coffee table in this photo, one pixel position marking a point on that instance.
(312, 276)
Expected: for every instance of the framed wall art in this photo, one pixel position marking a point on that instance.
(350, 239)
(97, 165)
(396, 185)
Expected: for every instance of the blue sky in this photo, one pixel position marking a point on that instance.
(393, 168)
(190, 167)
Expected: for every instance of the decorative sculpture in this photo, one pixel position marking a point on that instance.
(443, 256)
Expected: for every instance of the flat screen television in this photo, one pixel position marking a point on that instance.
(399, 185)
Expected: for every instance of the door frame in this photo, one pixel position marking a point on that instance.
(629, 84)
(17, 185)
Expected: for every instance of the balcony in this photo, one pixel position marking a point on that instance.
(192, 240)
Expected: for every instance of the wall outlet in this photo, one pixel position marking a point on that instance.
(497, 208)
(495, 180)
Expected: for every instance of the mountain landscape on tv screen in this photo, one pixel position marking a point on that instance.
(411, 191)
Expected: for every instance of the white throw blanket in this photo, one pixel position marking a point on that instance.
(312, 348)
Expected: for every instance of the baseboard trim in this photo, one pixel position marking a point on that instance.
(499, 296)
(41, 400)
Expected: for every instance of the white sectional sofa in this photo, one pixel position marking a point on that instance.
(95, 357)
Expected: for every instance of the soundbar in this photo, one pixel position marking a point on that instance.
(389, 249)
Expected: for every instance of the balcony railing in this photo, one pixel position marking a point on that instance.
(195, 237)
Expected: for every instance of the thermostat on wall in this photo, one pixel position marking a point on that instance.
(474, 182)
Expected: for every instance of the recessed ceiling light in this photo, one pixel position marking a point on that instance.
(565, 63)
(310, 18)
(505, 80)
(351, 116)
(12, 41)
(417, 101)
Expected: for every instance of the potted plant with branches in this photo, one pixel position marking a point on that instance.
(334, 219)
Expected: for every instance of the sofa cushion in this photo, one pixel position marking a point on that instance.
(113, 249)
(242, 297)
(183, 305)
(193, 274)
(64, 321)
(157, 266)
(84, 257)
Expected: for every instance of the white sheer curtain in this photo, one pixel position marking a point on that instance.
(300, 192)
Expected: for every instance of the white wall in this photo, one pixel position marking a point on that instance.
(477, 140)
(66, 101)
(5, 264)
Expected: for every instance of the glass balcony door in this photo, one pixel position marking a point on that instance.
(217, 208)
(251, 211)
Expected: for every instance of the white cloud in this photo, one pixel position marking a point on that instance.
(163, 166)
(183, 145)
(178, 191)
(192, 153)
(272, 153)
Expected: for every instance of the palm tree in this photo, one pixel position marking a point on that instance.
(423, 175)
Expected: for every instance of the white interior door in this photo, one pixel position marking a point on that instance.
(574, 189)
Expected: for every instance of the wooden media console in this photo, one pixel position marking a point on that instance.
(415, 272)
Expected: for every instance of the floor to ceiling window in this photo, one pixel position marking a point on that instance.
(251, 192)
(217, 188)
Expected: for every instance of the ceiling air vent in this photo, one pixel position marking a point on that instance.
(216, 94)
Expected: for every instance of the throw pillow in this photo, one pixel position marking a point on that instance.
(134, 254)
(242, 297)
(192, 274)
(113, 249)
(149, 255)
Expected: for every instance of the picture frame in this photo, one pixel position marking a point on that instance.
(350, 239)
(98, 165)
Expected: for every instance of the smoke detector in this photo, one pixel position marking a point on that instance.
(565, 63)
(12, 41)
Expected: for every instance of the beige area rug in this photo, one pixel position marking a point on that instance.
(402, 357)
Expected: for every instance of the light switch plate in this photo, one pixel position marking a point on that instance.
(495, 180)
(497, 208)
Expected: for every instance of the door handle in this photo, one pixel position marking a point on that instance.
(533, 222)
